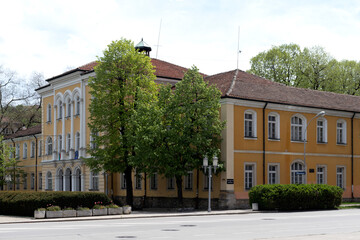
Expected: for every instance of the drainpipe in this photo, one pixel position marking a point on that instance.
(263, 122)
(352, 156)
(36, 163)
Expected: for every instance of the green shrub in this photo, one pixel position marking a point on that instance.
(296, 196)
(24, 203)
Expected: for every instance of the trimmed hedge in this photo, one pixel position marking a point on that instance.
(24, 203)
(296, 196)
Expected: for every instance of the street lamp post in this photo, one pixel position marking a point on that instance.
(320, 114)
(209, 167)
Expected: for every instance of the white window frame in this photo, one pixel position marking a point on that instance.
(274, 125)
(40, 181)
(122, 180)
(49, 146)
(17, 151)
(341, 181)
(324, 130)
(49, 181)
(138, 181)
(40, 148)
(68, 142)
(94, 181)
(294, 128)
(294, 178)
(25, 149)
(60, 112)
(276, 172)
(32, 149)
(48, 110)
(77, 105)
(68, 107)
(154, 182)
(77, 141)
(25, 181)
(323, 173)
(249, 173)
(250, 123)
(341, 132)
(32, 181)
(60, 146)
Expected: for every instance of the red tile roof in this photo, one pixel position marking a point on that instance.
(27, 132)
(248, 86)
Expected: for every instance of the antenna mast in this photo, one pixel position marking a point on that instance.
(238, 51)
(157, 46)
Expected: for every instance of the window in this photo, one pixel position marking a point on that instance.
(49, 147)
(32, 181)
(122, 180)
(77, 141)
(40, 148)
(94, 181)
(17, 183)
(25, 182)
(273, 126)
(32, 150)
(321, 174)
(321, 130)
(68, 106)
(17, 151)
(249, 176)
(68, 142)
(206, 182)
(25, 150)
(297, 173)
(137, 180)
(93, 139)
(341, 132)
(189, 181)
(60, 113)
(59, 146)
(273, 174)
(297, 128)
(48, 118)
(59, 181)
(48, 181)
(154, 181)
(40, 180)
(250, 124)
(340, 177)
(77, 106)
(171, 183)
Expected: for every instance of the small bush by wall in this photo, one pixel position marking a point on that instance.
(296, 196)
(24, 203)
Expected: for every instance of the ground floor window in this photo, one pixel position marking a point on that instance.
(154, 181)
(189, 181)
(94, 181)
(297, 173)
(273, 174)
(249, 175)
(321, 175)
(171, 183)
(122, 180)
(137, 181)
(48, 181)
(40, 180)
(340, 177)
(32, 181)
(206, 182)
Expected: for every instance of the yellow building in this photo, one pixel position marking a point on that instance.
(263, 142)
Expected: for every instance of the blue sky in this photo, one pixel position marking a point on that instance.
(53, 36)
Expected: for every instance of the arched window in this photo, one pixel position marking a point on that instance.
(60, 180)
(59, 144)
(250, 124)
(298, 173)
(77, 179)
(297, 128)
(77, 105)
(68, 182)
(60, 113)
(25, 150)
(93, 136)
(321, 130)
(273, 126)
(32, 150)
(68, 108)
(48, 118)
(17, 151)
(48, 181)
(49, 146)
(341, 131)
(77, 141)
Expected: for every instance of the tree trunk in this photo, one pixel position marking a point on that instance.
(179, 191)
(129, 187)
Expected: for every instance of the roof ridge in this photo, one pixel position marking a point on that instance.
(232, 83)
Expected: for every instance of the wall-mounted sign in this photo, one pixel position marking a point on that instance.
(311, 170)
(230, 181)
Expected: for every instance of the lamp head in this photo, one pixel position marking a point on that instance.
(321, 114)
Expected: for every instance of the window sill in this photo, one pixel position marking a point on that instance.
(274, 139)
(250, 138)
(48, 122)
(298, 141)
(321, 142)
(341, 144)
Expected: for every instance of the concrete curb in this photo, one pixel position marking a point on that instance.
(134, 215)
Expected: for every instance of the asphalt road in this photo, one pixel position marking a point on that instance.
(336, 224)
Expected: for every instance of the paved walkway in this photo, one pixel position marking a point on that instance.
(134, 214)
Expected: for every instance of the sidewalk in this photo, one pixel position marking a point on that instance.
(134, 214)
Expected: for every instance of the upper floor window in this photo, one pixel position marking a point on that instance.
(68, 108)
(48, 118)
(321, 130)
(40, 148)
(49, 146)
(59, 144)
(77, 105)
(68, 142)
(273, 126)
(17, 151)
(250, 124)
(341, 132)
(297, 128)
(32, 150)
(77, 141)
(60, 113)
(25, 150)
(93, 136)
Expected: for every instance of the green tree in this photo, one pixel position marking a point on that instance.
(345, 77)
(188, 128)
(123, 84)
